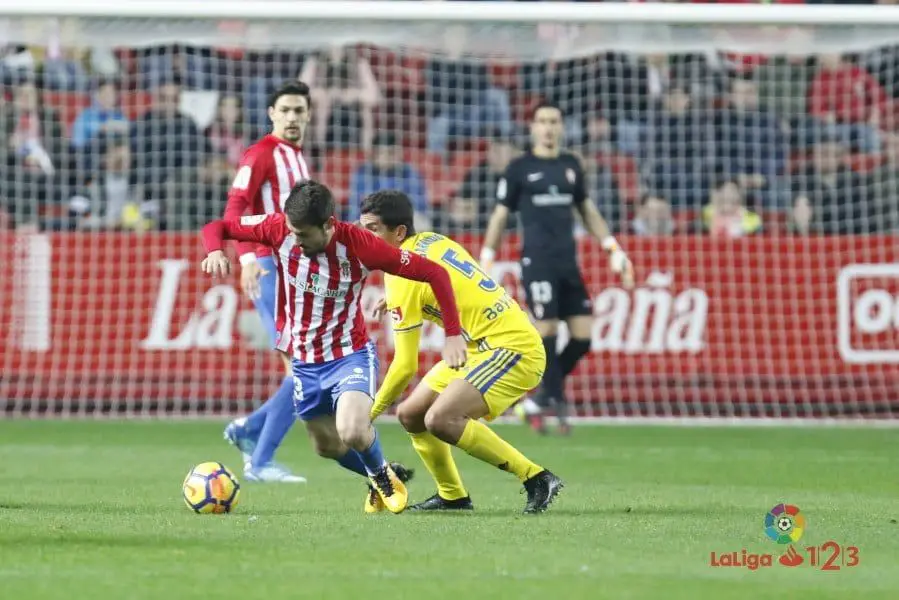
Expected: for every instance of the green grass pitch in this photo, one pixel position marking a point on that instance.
(93, 510)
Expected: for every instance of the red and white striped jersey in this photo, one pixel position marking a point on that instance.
(323, 292)
(268, 171)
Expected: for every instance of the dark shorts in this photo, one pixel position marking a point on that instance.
(555, 293)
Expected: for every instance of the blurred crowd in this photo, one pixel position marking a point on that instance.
(720, 143)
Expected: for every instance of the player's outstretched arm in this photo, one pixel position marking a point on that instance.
(599, 228)
(270, 230)
(401, 371)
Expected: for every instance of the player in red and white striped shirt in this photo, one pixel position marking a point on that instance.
(324, 264)
(268, 171)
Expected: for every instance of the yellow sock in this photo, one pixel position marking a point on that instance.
(482, 442)
(438, 459)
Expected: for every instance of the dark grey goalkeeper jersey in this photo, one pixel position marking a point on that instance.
(544, 191)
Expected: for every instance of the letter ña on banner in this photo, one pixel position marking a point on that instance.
(653, 319)
(209, 327)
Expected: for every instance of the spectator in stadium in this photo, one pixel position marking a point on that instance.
(470, 207)
(847, 102)
(653, 217)
(886, 188)
(103, 116)
(828, 197)
(628, 86)
(599, 135)
(227, 135)
(783, 85)
(102, 203)
(197, 195)
(726, 215)
(33, 132)
(462, 103)
(65, 68)
(16, 61)
(164, 143)
(31, 152)
(386, 170)
(750, 143)
(344, 94)
(675, 151)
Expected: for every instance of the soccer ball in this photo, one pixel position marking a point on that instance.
(785, 524)
(211, 488)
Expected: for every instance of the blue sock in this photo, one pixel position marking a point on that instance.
(256, 419)
(279, 418)
(353, 462)
(372, 457)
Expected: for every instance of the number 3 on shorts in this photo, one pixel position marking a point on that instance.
(541, 292)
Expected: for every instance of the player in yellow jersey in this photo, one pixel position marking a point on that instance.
(506, 360)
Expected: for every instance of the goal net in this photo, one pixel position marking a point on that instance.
(747, 158)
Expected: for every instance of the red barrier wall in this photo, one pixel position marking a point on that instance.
(730, 326)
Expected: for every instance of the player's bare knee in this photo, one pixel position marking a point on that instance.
(355, 431)
(357, 436)
(353, 420)
(411, 417)
(435, 419)
(440, 422)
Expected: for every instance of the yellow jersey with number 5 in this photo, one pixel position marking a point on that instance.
(490, 317)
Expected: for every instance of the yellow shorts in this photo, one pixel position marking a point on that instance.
(502, 375)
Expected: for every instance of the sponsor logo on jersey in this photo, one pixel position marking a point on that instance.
(242, 179)
(252, 219)
(553, 198)
(313, 287)
(396, 314)
(535, 176)
(405, 259)
(570, 176)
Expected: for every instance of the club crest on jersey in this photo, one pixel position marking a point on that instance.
(570, 176)
(345, 271)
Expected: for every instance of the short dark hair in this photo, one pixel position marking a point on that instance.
(546, 104)
(290, 88)
(309, 203)
(393, 207)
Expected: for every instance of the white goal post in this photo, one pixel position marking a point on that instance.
(746, 156)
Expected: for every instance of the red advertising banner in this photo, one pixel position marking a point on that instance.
(785, 326)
